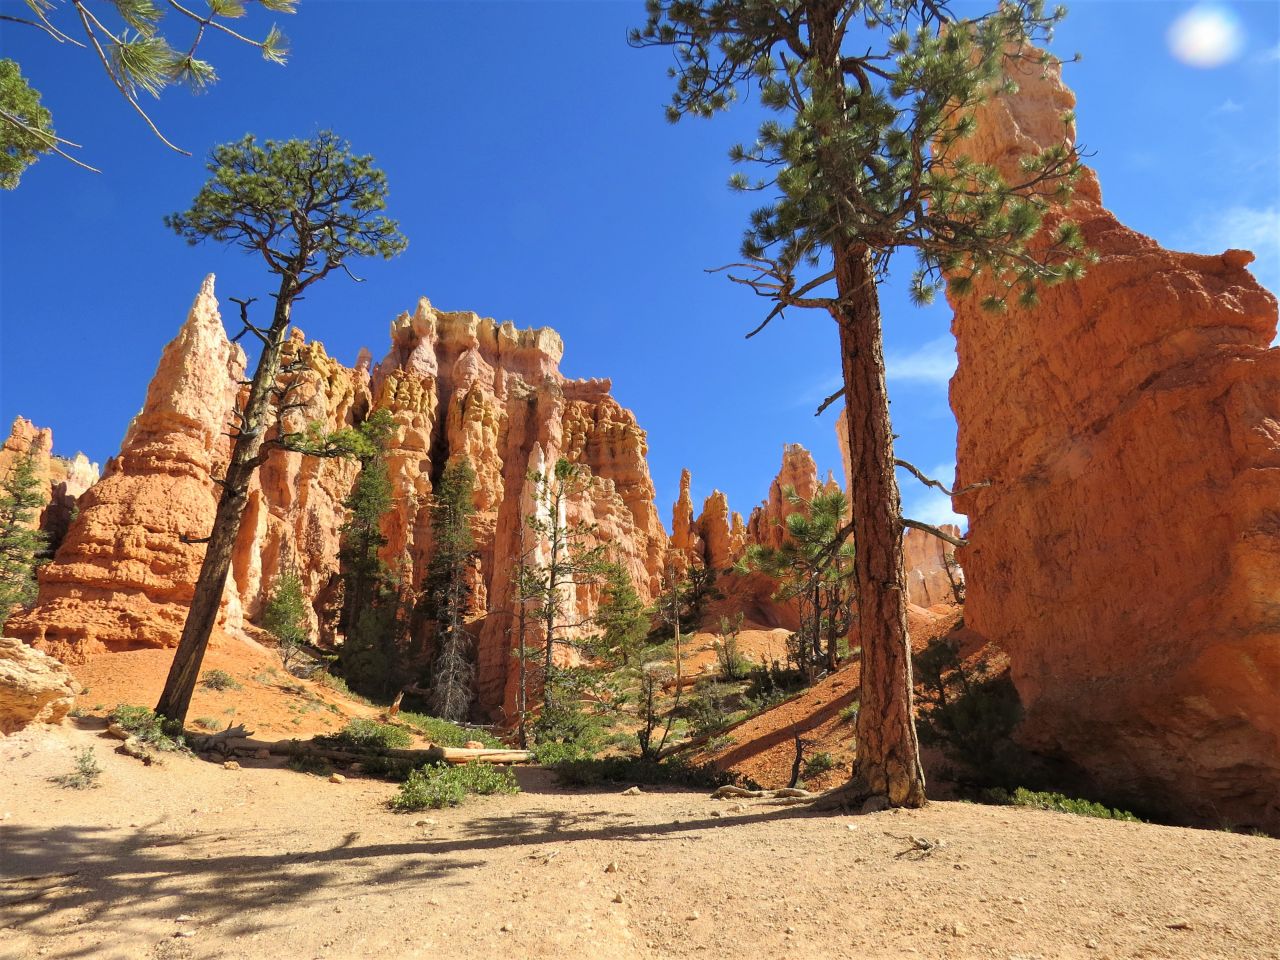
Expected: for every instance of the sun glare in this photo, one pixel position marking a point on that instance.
(1208, 35)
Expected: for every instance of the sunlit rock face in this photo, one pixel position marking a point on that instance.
(62, 479)
(457, 385)
(1127, 551)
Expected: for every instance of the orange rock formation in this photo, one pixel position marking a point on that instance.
(64, 480)
(1128, 552)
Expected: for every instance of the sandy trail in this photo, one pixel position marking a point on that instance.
(264, 862)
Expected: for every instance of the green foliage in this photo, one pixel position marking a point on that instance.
(219, 680)
(285, 616)
(445, 733)
(205, 723)
(635, 770)
(818, 764)
(621, 616)
(1022, 797)
(706, 712)
(849, 714)
(436, 787)
(148, 726)
(873, 102)
(969, 711)
(306, 206)
(733, 665)
(26, 127)
(309, 762)
(20, 543)
(85, 775)
(447, 591)
(368, 736)
(814, 568)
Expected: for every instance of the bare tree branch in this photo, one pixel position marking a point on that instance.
(930, 482)
(936, 531)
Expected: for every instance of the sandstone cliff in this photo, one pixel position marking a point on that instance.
(63, 480)
(1128, 552)
(457, 385)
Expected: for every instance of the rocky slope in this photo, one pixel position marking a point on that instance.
(1128, 551)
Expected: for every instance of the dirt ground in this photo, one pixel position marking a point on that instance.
(191, 860)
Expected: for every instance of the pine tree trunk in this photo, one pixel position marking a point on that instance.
(888, 753)
(175, 699)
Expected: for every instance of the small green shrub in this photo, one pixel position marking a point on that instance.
(675, 771)
(365, 736)
(443, 733)
(723, 742)
(818, 764)
(219, 680)
(1060, 803)
(85, 775)
(849, 714)
(567, 723)
(205, 723)
(706, 714)
(435, 787)
(147, 726)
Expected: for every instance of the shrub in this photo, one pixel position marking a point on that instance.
(309, 762)
(219, 680)
(706, 714)
(436, 787)
(85, 775)
(445, 733)
(733, 665)
(205, 723)
(818, 764)
(1060, 803)
(566, 722)
(285, 616)
(367, 736)
(145, 724)
(849, 714)
(675, 771)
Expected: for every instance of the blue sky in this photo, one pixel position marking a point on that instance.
(532, 169)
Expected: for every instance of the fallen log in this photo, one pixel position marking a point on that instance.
(293, 748)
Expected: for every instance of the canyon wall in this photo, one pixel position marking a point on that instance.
(457, 385)
(1127, 553)
(62, 480)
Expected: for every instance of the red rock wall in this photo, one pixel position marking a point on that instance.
(64, 479)
(1127, 554)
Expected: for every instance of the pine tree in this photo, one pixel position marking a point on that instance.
(26, 127)
(370, 600)
(566, 558)
(132, 42)
(447, 591)
(307, 207)
(285, 616)
(20, 541)
(815, 570)
(621, 616)
(873, 99)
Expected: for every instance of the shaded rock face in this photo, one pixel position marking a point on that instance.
(64, 479)
(925, 557)
(34, 687)
(1128, 552)
(457, 385)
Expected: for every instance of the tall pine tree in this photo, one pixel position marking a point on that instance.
(20, 541)
(873, 99)
(447, 592)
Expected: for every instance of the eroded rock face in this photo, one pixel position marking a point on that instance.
(925, 557)
(34, 687)
(1127, 554)
(64, 479)
(124, 575)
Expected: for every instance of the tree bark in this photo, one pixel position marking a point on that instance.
(175, 699)
(888, 753)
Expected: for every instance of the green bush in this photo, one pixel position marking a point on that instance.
(435, 787)
(567, 723)
(205, 723)
(706, 714)
(365, 736)
(818, 764)
(219, 680)
(589, 773)
(849, 714)
(85, 775)
(1060, 803)
(147, 726)
(443, 733)
(309, 762)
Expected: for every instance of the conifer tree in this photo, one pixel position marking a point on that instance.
(285, 615)
(566, 558)
(131, 40)
(447, 591)
(873, 99)
(621, 616)
(306, 207)
(818, 578)
(20, 541)
(26, 127)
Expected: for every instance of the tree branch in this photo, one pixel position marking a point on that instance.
(930, 482)
(937, 532)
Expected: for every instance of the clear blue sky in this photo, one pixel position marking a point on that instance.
(532, 169)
